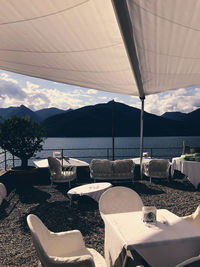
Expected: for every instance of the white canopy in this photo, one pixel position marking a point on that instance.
(103, 44)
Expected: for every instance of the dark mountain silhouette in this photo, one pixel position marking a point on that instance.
(48, 112)
(20, 111)
(190, 120)
(23, 111)
(97, 121)
(177, 116)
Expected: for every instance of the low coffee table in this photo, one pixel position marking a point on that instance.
(93, 190)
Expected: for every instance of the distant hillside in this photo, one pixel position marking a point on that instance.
(190, 120)
(48, 112)
(97, 121)
(177, 116)
(21, 111)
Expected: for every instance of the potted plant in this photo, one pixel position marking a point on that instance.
(22, 138)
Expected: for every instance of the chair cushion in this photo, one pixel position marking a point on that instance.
(101, 167)
(123, 167)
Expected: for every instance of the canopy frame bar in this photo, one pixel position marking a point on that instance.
(124, 22)
(141, 136)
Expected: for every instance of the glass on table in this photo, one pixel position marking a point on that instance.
(149, 214)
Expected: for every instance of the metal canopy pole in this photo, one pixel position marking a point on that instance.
(113, 130)
(141, 135)
(127, 31)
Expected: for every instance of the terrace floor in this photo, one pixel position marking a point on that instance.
(52, 206)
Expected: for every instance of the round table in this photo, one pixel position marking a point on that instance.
(93, 190)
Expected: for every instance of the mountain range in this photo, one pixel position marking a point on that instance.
(23, 111)
(103, 120)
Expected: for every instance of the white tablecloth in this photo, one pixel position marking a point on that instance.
(93, 190)
(144, 160)
(67, 162)
(161, 245)
(190, 168)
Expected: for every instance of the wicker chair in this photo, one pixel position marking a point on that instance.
(157, 168)
(58, 175)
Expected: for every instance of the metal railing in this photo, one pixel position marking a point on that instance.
(8, 161)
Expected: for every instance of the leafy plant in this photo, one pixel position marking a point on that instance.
(21, 137)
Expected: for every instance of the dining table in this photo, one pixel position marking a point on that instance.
(168, 242)
(65, 162)
(191, 169)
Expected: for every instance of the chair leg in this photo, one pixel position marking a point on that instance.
(70, 201)
(69, 184)
(150, 179)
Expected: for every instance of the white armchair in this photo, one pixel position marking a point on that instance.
(66, 249)
(194, 218)
(157, 168)
(192, 262)
(58, 175)
(119, 199)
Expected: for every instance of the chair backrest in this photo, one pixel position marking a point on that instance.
(56, 154)
(100, 166)
(3, 191)
(159, 168)
(54, 166)
(192, 262)
(40, 234)
(194, 218)
(119, 199)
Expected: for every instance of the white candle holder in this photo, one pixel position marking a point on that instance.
(149, 214)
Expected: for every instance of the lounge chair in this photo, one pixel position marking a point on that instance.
(157, 168)
(62, 249)
(58, 175)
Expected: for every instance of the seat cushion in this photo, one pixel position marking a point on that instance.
(101, 167)
(125, 166)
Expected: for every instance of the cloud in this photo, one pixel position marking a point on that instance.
(183, 100)
(51, 97)
(6, 77)
(92, 91)
(41, 94)
(10, 89)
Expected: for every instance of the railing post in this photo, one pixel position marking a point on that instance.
(5, 158)
(107, 153)
(13, 158)
(62, 156)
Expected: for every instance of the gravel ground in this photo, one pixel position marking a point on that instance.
(53, 208)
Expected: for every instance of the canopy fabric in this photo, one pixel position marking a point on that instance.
(82, 42)
(167, 36)
(76, 42)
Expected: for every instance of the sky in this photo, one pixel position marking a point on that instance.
(16, 89)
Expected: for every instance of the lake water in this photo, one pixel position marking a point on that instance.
(125, 147)
(87, 148)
